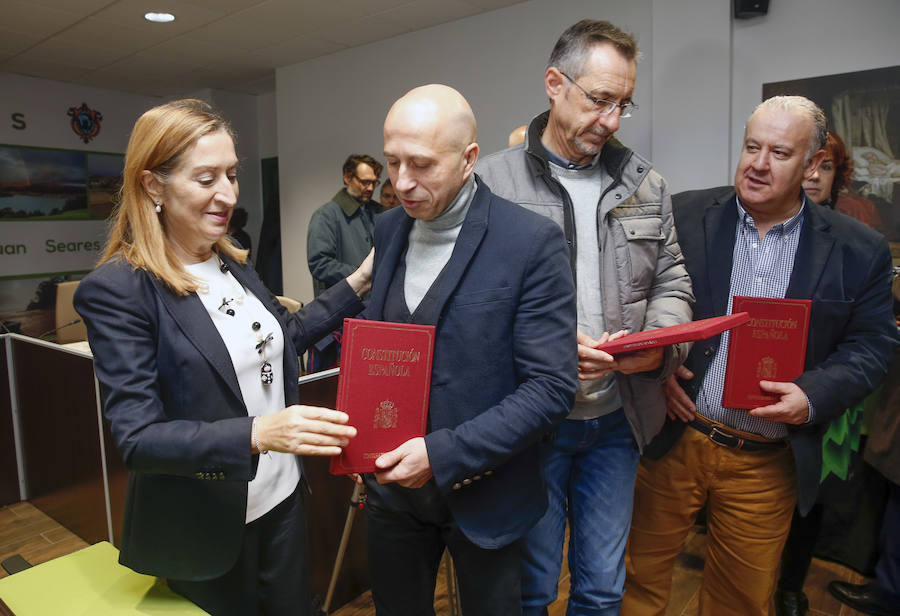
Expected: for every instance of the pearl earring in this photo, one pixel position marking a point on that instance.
(158, 207)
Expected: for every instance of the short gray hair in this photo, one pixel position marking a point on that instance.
(807, 107)
(571, 50)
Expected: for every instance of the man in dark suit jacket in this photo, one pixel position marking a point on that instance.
(495, 281)
(762, 238)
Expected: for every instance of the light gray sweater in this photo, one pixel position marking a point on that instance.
(431, 243)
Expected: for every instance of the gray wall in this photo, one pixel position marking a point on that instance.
(701, 75)
(809, 38)
(45, 102)
(691, 107)
(331, 106)
(268, 125)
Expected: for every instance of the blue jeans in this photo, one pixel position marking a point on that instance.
(590, 467)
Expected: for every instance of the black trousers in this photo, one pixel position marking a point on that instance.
(271, 576)
(407, 533)
(798, 550)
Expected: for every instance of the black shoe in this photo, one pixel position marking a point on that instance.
(864, 598)
(791, 603)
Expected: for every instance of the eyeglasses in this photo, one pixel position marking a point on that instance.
(367, 183)
(604, 106)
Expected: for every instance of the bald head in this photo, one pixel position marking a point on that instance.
(436, 110)
(801, 106)
(517, 135)
(429, 143)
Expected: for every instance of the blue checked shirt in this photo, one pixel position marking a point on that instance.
(760, 268)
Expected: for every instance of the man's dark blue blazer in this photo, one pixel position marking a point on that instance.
(177, 415)
(505, 364)
(844, 267)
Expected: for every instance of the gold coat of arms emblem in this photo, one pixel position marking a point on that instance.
(386, 415)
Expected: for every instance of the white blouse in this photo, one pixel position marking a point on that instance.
(243, 322)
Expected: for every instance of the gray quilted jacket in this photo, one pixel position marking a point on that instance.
(644, 284)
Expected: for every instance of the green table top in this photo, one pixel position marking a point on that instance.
(90, 582)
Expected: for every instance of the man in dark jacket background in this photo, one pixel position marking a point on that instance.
(340, 232)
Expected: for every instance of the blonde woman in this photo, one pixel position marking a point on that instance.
(198, 366)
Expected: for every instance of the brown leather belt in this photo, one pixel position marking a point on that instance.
(722, 437)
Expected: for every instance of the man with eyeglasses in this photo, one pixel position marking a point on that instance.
(340, 232)
(616, 213)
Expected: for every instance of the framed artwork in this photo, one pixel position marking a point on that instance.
(863, 108)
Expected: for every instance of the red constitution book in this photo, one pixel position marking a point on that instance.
(684, 332)
(383, 385)
(770, 347)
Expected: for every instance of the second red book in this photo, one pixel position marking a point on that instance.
(770, 347)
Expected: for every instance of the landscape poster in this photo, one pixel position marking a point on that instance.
(54, 206)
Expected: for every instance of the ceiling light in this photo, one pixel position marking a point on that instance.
(159, 18)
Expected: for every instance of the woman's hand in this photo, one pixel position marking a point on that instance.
(303, 430)
(361, 280)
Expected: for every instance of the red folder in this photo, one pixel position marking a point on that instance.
(383, 385)
(684, 332)
(771, 347)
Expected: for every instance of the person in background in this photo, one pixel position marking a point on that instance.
(340, 232)
(236, 229)
(517, 135)
(388, 196)
(836, 172)
(881, 596)
(832, 176)
(197, 363)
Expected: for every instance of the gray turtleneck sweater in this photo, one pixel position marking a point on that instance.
(431, 244)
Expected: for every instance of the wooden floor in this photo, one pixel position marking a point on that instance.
(25, 530)
(685, 587)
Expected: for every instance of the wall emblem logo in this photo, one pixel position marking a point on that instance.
(85, 121)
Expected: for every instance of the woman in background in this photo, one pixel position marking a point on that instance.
(830, 185)
(198, 366)
(833, 174)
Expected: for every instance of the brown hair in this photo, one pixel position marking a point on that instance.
(137, 234)
(571, 50)
(843, 164)
(355, 160)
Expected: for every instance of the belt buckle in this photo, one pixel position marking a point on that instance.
(730, 441)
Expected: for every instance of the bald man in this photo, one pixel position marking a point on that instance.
(495, 281)
(517, 135)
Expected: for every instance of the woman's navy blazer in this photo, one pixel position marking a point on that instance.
(176, 411)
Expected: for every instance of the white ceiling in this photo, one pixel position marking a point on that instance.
(231, 45)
